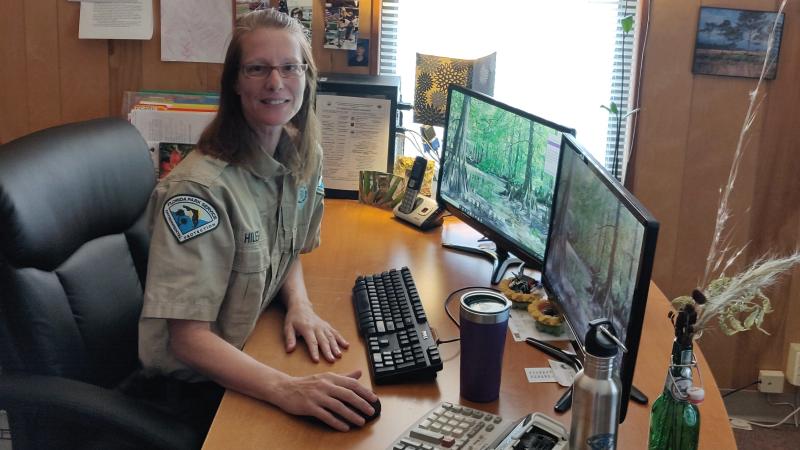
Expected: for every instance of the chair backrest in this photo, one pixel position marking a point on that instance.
(73, 250)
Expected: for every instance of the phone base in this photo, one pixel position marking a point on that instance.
(425, 214)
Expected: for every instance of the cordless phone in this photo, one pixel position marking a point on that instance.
(413, 185)
(418, 210)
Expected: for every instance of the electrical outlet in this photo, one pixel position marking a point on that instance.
(770, 381)
(793, 364)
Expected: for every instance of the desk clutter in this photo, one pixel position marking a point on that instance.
(401, 347)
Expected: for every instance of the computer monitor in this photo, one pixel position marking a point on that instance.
(498, 170)
(599, 255)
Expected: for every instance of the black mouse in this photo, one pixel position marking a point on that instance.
(367, 418)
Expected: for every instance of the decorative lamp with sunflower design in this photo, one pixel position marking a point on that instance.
(435, 73)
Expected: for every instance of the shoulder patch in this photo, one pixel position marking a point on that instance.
(320, 187)
(188, 216)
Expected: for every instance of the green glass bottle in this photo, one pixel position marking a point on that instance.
(674, 419)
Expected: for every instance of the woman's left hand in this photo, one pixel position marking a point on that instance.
(320, 336)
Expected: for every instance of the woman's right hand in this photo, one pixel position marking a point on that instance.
(323, 394)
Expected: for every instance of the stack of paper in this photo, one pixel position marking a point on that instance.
(170, 122)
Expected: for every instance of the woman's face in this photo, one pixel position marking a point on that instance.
(271, 102)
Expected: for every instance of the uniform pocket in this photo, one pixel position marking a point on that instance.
(245, 295)
(251, 259)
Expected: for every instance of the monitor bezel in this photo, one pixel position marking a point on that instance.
(500, 240)
(646, 260)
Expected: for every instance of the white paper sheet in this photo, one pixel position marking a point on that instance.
(355, 137)
(195, 30)
(115, 20)
(563, 373)
(558, 372)
(170, 126)
(540, 375)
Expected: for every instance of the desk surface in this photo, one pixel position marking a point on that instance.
(358, 240)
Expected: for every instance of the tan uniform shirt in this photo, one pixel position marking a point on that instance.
(223, 237)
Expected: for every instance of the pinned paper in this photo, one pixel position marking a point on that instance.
(114, 20)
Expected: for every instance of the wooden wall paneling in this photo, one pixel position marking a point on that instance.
(124, 72)
(43, 83)
(717, 112)
(663, 126)
(13, 72)
(213, 77)
(776, 201)
(718, 108)
(756, 220)
(169, 75)
(318, 37)
(83, 69)
(686, 136)
(375, 37)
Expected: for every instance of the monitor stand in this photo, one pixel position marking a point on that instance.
(564, 403)
(500, 258)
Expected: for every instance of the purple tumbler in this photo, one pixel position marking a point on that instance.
(484, 319)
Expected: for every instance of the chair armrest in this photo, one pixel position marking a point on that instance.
(102, 409)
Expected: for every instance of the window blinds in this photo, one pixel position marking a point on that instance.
(620, 88)
(387, 49)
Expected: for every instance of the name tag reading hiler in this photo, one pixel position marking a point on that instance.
(252, 237)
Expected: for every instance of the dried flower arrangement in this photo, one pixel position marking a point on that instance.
(737, 302)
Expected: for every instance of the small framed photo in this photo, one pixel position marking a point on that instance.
(733, 42)
(359, 56)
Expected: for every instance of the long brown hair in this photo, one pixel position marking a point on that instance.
(229, 137)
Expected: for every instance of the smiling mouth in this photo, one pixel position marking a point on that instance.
(274, 102)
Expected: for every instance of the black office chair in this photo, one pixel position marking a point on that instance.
(73, 257)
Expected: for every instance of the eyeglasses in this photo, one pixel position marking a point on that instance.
(264, 70)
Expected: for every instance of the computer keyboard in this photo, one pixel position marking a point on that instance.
(449, 426)
(390, 316)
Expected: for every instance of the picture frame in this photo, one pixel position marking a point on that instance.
(733, 42)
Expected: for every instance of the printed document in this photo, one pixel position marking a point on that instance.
(355, 137)
(132, 19)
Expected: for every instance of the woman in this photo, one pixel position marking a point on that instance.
(228, 224)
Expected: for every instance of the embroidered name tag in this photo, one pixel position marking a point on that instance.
(189, 216)
(251, 237)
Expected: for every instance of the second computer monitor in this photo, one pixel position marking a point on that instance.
(599, 255)
(498, 171)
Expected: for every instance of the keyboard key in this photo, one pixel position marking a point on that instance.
(410, 443)
(426, 435)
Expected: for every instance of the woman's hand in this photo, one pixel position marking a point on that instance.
(320, 336)
(324, 394)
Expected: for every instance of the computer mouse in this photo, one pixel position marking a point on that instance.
(367, 418)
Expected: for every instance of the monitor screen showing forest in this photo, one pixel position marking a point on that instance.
(498, 171)
(600, 253)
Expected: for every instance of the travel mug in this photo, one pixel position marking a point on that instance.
(484, 319)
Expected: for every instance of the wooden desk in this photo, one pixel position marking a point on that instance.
(358, 240)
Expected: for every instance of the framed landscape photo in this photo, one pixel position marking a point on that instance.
(733, 42)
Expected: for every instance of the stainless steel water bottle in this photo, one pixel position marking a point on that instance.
(596, 395)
